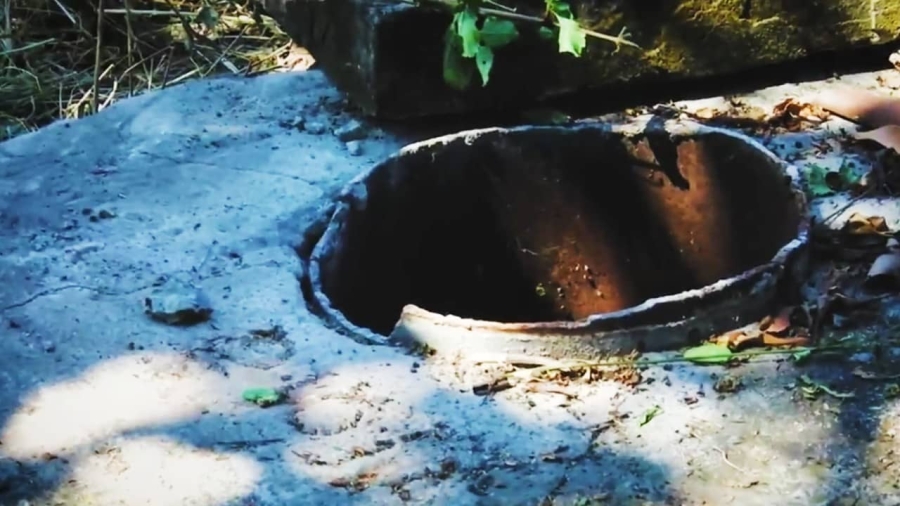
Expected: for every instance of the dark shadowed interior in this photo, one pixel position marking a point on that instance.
(554, 223)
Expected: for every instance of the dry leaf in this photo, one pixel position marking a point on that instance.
(859, 224)
(778, 324)
(771, 340)
(791, 112)
(736, 339)
(861, 106)
(727, 384)
(706, 113)
(888, 136)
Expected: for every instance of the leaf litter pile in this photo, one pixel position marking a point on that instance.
(856, 268)
(69, 58)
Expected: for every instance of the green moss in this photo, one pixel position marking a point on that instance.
(704, 37)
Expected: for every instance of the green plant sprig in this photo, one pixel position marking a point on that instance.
(476, 31)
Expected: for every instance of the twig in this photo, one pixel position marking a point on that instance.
(97, 55)
(500, 6)
(510, 379)
(223, 59)
(617, 40)
(165, 77)
(130, 42)
(7, 24)
(30, 46)
(66, 12)
(846, 206)
(725, 458)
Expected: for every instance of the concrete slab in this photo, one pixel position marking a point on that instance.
(212, 184)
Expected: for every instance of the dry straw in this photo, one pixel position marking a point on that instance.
(70, 58)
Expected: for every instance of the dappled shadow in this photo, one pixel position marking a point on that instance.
(68, 445)
(93, 396)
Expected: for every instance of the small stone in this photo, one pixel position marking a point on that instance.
(354, 148)
(315, 128)
(352, 131)
(49, 347)
(298, 122)
(105, 215)
(178, 303)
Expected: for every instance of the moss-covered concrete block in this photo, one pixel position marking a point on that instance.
(388, 55)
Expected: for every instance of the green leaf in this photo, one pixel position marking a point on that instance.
(466, 23)
(816, 181)
(709, 353)
(208, 17)
(262, 396)
(459, 72)
(484, 60)
(801, 354)
(650, 414)
(811, 388)
(572, 38)
(848, 176)
(498, 32)
(546, 33)
(561, 9)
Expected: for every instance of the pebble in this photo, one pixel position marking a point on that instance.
(315, 128)
(351, 131)
(354, 148)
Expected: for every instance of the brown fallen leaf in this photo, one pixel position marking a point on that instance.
(359, 482)
(779, 324)
(791, 112)
(888, 136)
(772, 340)
(865, 107)
(737, 339)
(859, 224)
(707, 113)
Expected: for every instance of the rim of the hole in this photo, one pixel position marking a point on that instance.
(630, 129)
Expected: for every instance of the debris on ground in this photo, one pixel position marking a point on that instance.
(177, 302)
(263, 397)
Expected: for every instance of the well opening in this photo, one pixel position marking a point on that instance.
(553, 224)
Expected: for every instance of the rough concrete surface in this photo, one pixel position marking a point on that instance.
(209, 186)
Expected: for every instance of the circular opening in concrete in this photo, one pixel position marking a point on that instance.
(549, 230)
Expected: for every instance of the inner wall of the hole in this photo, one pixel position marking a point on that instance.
(432, 234)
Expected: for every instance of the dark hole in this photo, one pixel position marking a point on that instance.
(553, 224)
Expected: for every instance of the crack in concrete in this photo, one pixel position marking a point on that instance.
(54, 291)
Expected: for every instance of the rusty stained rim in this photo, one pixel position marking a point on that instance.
(644, 316)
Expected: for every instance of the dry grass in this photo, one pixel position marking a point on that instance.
(64, 59)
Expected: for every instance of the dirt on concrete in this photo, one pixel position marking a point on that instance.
(209, 187)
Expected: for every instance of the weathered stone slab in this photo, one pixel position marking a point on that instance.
(388, 55)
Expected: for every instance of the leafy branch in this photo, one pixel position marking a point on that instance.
(476, 31)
